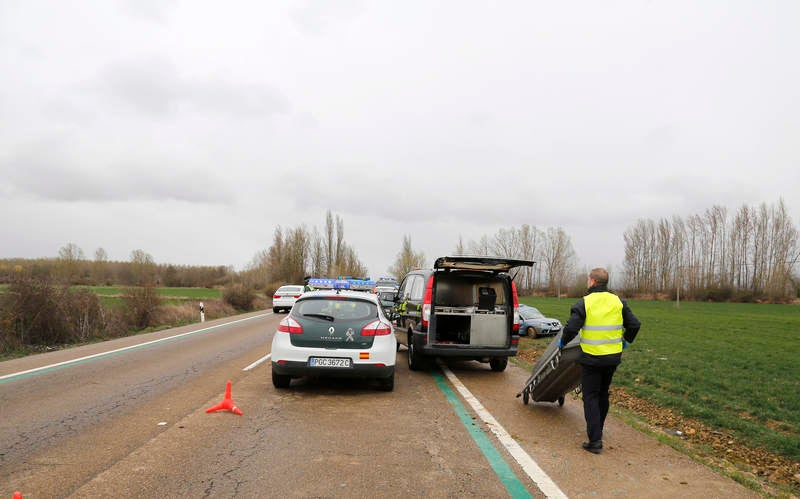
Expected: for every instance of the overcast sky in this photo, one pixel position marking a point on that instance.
(192, 129)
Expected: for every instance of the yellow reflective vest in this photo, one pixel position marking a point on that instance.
(601, 334)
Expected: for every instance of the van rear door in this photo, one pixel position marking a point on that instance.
(494, 264)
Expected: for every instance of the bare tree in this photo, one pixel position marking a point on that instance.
(143, 268)
(559, 258)
(460, 249)
(70, 258)
(407, 259)
(710, 255)
(318, 265)
(100, 272)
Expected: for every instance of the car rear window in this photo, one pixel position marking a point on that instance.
(336, 307)
(290, 289)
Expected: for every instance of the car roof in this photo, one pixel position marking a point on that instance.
(493, 263)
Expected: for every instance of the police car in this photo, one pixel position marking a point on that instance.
(335, 333)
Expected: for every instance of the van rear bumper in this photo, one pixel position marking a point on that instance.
(461, 349)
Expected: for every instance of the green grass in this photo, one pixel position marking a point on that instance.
(733, 366)
(169, 293)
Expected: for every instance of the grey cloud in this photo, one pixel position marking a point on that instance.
(150, 10)
(314, 17)
(48, 173)
(405, 196)
(153, 85)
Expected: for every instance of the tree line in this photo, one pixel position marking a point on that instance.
(71, 267)
(297, 252)
(748, 256)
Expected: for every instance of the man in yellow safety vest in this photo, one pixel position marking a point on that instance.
(606, 326)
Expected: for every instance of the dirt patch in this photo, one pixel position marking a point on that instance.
(719, 449)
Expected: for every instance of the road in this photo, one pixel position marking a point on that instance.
(127, 418)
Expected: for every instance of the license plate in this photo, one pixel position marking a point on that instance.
(328, 362)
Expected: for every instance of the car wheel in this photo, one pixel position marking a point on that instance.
(498, 364)
(525, 397)
(531, 331)
(386, 384)
(561, 401)
(275, 310)
(414, 358)
(281, 380)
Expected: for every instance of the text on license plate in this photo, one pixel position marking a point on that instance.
(328, 362)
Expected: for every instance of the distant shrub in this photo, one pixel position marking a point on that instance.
(140, 305)
(239, 296)
(83, 313)
(717, 293)
(35, 312)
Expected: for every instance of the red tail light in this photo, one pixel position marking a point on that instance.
(376, 328)
(515, 327)
(276, 297)
(296, 296)
(289, 325)
(426, 302)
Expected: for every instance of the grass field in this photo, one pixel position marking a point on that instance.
(734, 366)
(111, 295)
(177, 293)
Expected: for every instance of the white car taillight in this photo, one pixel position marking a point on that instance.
(289, 325)
(376, 328)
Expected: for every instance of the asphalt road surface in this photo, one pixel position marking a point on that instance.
(127, 418)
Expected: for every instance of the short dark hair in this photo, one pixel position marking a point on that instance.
(600, 276)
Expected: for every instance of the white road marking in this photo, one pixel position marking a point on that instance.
(259, 361)
(131, 347)
(537, 474)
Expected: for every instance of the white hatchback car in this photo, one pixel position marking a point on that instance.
(338, 334)
(285, 296)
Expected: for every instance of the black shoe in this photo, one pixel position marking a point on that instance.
(595, 447)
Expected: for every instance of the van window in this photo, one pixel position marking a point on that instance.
(417, 288)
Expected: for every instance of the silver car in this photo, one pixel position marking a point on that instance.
(533, 323)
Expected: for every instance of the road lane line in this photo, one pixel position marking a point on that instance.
(531, 468)
(513, 485)
(82, 360)
(259, 361)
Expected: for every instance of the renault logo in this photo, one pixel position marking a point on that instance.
(330, 330)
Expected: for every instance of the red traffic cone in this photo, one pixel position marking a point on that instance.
(227, 402)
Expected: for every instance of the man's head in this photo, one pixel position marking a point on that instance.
(598, 277)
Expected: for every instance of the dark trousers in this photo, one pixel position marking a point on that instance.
(595, 381)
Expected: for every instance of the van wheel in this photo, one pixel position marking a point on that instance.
(498, 364)
(414, 358)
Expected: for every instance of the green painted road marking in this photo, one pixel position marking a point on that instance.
(496, 461)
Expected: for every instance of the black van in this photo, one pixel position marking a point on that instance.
(466, 307)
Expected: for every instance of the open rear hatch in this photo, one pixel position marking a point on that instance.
(491, 263)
